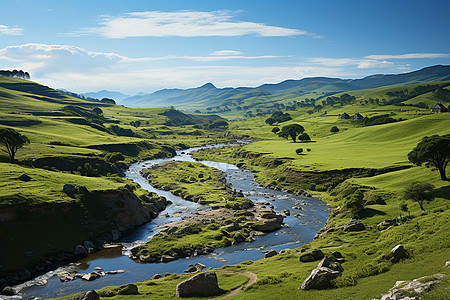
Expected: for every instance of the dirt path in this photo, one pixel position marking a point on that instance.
(252, 276)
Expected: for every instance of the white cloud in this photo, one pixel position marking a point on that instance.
(409, 56)
(182, 24)
(226, 52)
(360, 63)
(8, 30)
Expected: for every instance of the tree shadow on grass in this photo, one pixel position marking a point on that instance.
(370, 212)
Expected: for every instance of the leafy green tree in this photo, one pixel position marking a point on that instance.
(275, 129)
(304, 137)
(13, 141)
(334, 129)
(432, 150)
(419, 192)
(270, 121)
(114, 157)
(292, 131)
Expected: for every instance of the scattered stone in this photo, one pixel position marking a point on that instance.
(203, 285)
(114, 272)
(447, 264)
(149, 258)
(270, 253)
(167, 258)
(191, 269)
(398, 253)
(402, 289)
(90, 276)
(354, 225)
(128, 289)
(199, 266)
(157, 276)
(287, 212)
(24, 177)
(313, 255)
(8, 291)
(387, 223)
(67, 276)
(319, 279)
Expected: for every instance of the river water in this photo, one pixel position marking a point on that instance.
(308, 215)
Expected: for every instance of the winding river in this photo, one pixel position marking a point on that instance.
(308, 215)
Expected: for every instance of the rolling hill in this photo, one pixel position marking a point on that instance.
(225, 99)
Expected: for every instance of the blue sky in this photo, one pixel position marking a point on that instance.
(142, 46)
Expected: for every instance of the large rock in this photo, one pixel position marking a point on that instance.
(270, 253)
(398, 253)
(91, 295)
(24, 177)
(8, 291)
(202, 285)
(402, 289)
(314, 255)
(330, 263)
(387, 223)
(319, 279)
(354, 225)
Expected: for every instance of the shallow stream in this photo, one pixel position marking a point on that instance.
(308, 215)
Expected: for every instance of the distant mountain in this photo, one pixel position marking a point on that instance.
(208, 96)
(106, 94)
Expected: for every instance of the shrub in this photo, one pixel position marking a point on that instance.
(334, 129)
(299, 151)
(114, 157)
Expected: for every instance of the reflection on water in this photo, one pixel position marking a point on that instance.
(308, 215)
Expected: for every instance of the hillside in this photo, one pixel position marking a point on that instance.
(208, 98)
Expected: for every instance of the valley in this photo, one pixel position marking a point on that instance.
(78, 190)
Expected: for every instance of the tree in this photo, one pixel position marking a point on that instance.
(299, 151)
(270, 121)
(432, 150)
(219, 123)
(304, 137)
(275, 129)
(13, 141)
(292, 131)
(419, 192)
(334, 129)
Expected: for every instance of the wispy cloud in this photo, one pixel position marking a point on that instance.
(226, 52)
(360, 63)
(8, 30)
(409, 56)
(183, 24)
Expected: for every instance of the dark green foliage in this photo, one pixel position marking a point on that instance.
(304, 137)
(12, 141)
(120, 131)
(135, 123)
(376, 120)
(114, 157)
(270, 121)
(97, 111)
(299, 151)
(442, 94)
(280, 117)
(219, 124)
(108, 101)
(334, 129)
(432, 150)
(275, 129)
(14, 73)
(420, 192)
(355, 204)
(292, 131)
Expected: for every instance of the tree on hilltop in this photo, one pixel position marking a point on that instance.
(432, 150)
(13, 141)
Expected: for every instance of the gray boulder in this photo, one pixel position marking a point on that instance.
(8, 291)
(330, 263)
(354, 225)
(157, 276)
(270, 253)
(91, 295)
(202, 285)
(319, 279)
(398, 253)
(387, 223)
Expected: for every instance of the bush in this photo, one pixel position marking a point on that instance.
(334, 129)
(299, 151)
(114, 157)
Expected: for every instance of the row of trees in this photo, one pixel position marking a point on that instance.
(15, 73)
